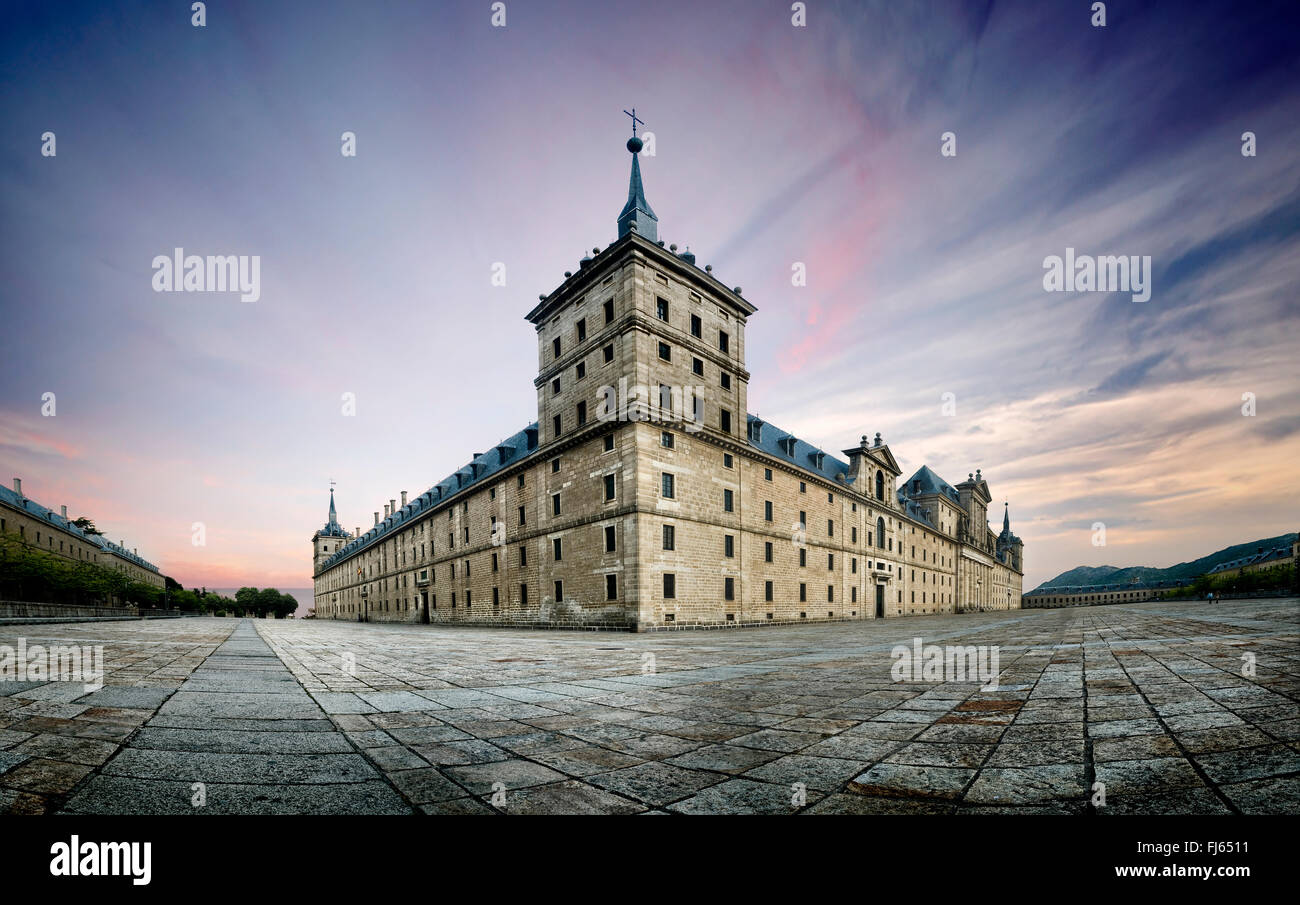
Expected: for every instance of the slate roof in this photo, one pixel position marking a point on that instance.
(926, 481)
(785, 446)
(50, 517)
(508, 452)
(1253, 559)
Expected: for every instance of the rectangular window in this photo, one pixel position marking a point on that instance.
(609, 353)
(610, 536)
(729, 545)
(559, 591)
(725, 420)
(555, 504)
(767, 474)
(725, 379)
(830, 593)
(767, 510)
(661, 308)
(666, 440)
(697, 326)
(729, 588)
(697, 366)
(609, 312)
(555, 347)
(727, 461)
(670, 586)
(523, 557)
(555, 426)
(830, 528)
(609, 487)
(609, 442)
(582, 413)
(830, 561)
(611, 586)
(803, 557)
(803, 592)
(555, 465)
(523, 595)
(767, 551)
(581, 370)
(670, 537)
(555, 387)
(724, 342)
(582, 329)
(665, 352)
(521, 515)
(728, 501)
(667, 486)
(557, 549)
(767, 591)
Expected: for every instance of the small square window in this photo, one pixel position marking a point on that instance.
(609, 442)
(697, 366)
(727, 460)
(666, 439)
(725, 380)
(665, 352)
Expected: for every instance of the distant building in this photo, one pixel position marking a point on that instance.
(1093, 595)
(1262, 558)
(43, 529)
(675, 509)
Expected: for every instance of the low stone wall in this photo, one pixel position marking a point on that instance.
(19, 609)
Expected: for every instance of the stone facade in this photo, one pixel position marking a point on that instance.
(645, 497)
(51, 532)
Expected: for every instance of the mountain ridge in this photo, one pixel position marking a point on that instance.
(1094, 576)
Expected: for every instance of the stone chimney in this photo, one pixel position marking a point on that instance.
(387, 512)
(392, 507)
(64, 511)
(18, 486)
(376, 518)
(403, 499)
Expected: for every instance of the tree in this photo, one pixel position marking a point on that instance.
(86, 525)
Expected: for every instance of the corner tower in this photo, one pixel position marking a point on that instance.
(326, 541)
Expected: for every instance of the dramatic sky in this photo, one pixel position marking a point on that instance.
(774, 145)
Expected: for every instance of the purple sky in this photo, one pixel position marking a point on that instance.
(774, 145)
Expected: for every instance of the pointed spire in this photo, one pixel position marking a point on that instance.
(1006, 519)
(333, 515)
(637, 213)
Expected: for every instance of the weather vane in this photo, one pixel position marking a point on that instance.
(635, 120)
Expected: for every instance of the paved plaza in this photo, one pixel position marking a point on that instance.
(250, 716)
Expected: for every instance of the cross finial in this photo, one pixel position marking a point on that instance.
(635, 120)
(331, 485)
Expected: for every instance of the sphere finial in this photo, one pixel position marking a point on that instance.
(635, 145)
